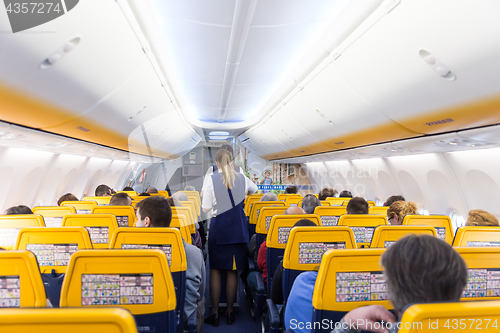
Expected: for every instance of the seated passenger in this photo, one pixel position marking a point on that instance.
(309, 203)
(437, 274)
(326, 193)
(292, 190)
(189, 188)
(392, 199)
(103, 191)
(128, 188)
(66, 197)
(277, 286)
(144, 194)
(479, 217)
(345, 194)
(399, 209)
(181, 196)
(174, 202)
(152, 190)
(357, 205)
(18, 210)
(156, 212)
(120, 199)
(269, 197)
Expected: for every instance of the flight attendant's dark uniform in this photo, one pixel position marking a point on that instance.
(228, 237)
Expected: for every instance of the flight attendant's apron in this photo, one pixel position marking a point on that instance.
(228, 238)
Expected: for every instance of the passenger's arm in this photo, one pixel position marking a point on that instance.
(365, 317)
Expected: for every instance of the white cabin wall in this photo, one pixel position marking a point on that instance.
(34, 178)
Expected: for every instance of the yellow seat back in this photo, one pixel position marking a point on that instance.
(442, 223)
(363, 226)
(330, 215)
(186, 211)
(192, 208)
(281, 225)
(378, 210)
(325, 203)
(53, 246)
(283, 196)
(100, 227)
(257, 206)
(130, 193)
(451, 317)
(82, 320)
(164, 194)
(169, 240)
(82, 207)
(181, 222)
(477, 236)
(334, 201)
(125, 215)
(340, 271)
(387, 235)
(100, 200)
(305, 246)
(10, 225)
(265, 216)
(53, 215)
(139, 197)
(137, 280)
(249, 202)
(293, 201)
(20, 280)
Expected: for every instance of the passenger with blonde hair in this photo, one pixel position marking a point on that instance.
(479, 217)
(399, 209)
(228, 239)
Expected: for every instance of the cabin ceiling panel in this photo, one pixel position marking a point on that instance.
(385, 65)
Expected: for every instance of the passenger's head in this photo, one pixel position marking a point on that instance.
(294, 210)
(223, 159)
(309, 203)
(229, 149)
(345, 194)
(18, 210)
(181, 196)
(326, 193)
(66, 197)
(479, 217)
(152, 190)
(144, 194)
(103, 191)
(269, 197)
(304, 223)
(189, 188)
(357, 205)
(399, 209)
(292, 190)
(174, 202)
(128, 188)
(423, 269)
(120, 199)
(393, 198)
(153, 212)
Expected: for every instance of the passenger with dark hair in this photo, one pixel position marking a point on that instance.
(393, 198)
(326, 193)
(345, 194)
(66, 197)
(479, 217)
(417, 269)
(120, 199)
(103, 191)
(357, 205)
(156, 212)
(228, 241)
(144, 194)
(399, 209)
(152, 190)
(309, 203)
(128, 188)
(18, 210)
(292, 190)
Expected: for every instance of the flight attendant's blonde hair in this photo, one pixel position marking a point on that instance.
(223, 157)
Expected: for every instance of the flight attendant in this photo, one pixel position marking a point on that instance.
(228, 237)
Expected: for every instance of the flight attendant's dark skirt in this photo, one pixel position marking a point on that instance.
(228, 256)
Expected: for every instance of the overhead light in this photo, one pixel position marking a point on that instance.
(218, 137)
(215, 133)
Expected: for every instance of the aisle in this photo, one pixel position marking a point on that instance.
(244, 322)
